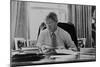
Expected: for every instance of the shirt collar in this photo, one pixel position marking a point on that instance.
(55, 31)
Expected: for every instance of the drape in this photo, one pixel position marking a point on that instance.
(21, 24)
(14, 8)
(81, 18)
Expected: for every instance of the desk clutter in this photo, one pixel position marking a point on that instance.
(27, 57)
(31, 56)
(35, 54)
(26, 54)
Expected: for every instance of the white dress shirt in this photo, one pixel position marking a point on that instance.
(62, 38)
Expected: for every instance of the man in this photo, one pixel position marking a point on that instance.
(54, 37)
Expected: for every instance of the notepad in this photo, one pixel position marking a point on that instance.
(30, 48)
(64, 51)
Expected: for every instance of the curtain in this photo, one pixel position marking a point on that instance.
(14, 10)
(21, 28)
(19, 23)
(81, 18)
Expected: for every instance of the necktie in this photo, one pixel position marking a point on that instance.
(53, 39)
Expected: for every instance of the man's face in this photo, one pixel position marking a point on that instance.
(51, 25)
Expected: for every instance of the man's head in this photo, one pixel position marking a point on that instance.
(51, 21)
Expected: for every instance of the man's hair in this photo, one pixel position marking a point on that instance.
(52, 16)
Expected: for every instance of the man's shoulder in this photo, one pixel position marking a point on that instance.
(62, 31)
(44, 31)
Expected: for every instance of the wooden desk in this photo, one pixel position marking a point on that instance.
(84, 55)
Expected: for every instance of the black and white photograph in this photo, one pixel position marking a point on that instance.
(51, 33)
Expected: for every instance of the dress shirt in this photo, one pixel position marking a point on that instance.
(63, 38)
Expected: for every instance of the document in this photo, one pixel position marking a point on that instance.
(65, 51)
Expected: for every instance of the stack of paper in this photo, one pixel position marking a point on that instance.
(31, 50)
(64, 51)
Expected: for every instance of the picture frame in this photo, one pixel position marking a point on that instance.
(19, 43)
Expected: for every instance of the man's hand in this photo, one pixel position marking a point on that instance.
(73, 49)
(47, 49)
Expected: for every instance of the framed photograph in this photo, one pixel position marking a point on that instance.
(51, 33)
(20, 43)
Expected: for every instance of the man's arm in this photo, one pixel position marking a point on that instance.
(44, 46)
(70, 43)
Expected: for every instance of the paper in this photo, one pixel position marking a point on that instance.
(29, 48)
(65, 51)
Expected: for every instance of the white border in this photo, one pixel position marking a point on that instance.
(5, 33)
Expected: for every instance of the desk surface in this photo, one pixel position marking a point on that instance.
(80, 56)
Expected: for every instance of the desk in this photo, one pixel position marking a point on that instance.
(85, 54)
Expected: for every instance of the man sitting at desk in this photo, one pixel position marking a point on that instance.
(54, 37)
